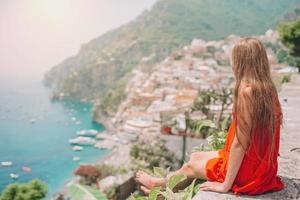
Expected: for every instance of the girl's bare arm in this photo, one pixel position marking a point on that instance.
(237, 150)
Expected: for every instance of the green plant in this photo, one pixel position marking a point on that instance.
(148, 155)
(213, 122)
(169, 193)
(210, 97)
(217, 136)
(290, 36)
(286, 78)
(282, 53)
(200, 128)
(33, 190)
(205, 98)
(111, 192)
(216, 140)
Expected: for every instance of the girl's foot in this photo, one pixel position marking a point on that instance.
(145, 190)
(149, 181)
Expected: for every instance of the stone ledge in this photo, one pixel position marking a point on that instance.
(290, 191)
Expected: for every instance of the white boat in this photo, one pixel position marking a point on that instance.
(89, 133)
(77, 148)
(83, 141)
(6, 163)
(76, 158)
(14, 176)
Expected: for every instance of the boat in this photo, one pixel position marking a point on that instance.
(14, 176)
(83, 141)
(26, 169)
(77, 148)
(76, 158)
(88, 133)
(6, 163)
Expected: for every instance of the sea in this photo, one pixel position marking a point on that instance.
(34, 133)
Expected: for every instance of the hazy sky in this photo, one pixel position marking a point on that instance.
(38, 34)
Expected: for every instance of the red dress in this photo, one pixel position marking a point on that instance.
(255, 176)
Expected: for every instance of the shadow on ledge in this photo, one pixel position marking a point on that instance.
(290, 191)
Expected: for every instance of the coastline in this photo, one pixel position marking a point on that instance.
(121, 151)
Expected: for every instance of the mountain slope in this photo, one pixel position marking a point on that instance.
(100, 69)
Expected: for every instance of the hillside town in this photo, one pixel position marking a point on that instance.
(173, 85)
(171, 88)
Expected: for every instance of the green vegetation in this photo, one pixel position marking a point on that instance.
(171, 192)
(146, 156)
(207, 98)
(77, 192)
(286, 78)
(99, 71)
(290, 37)
(95, 192)
(33, 190)
(217, 136)
(281, 53)
(215, 127)
(109, 103)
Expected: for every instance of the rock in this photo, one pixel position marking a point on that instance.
(107, 182)
(291, 191)
(125, 184)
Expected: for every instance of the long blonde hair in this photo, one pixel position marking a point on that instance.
(250, 64)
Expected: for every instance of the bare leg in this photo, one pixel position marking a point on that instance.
(149, 181)
(195, 168)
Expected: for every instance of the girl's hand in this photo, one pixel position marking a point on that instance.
(214, 186)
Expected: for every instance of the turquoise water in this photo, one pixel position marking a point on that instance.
(43, 146)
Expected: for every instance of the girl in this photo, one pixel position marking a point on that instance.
(248, 162)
